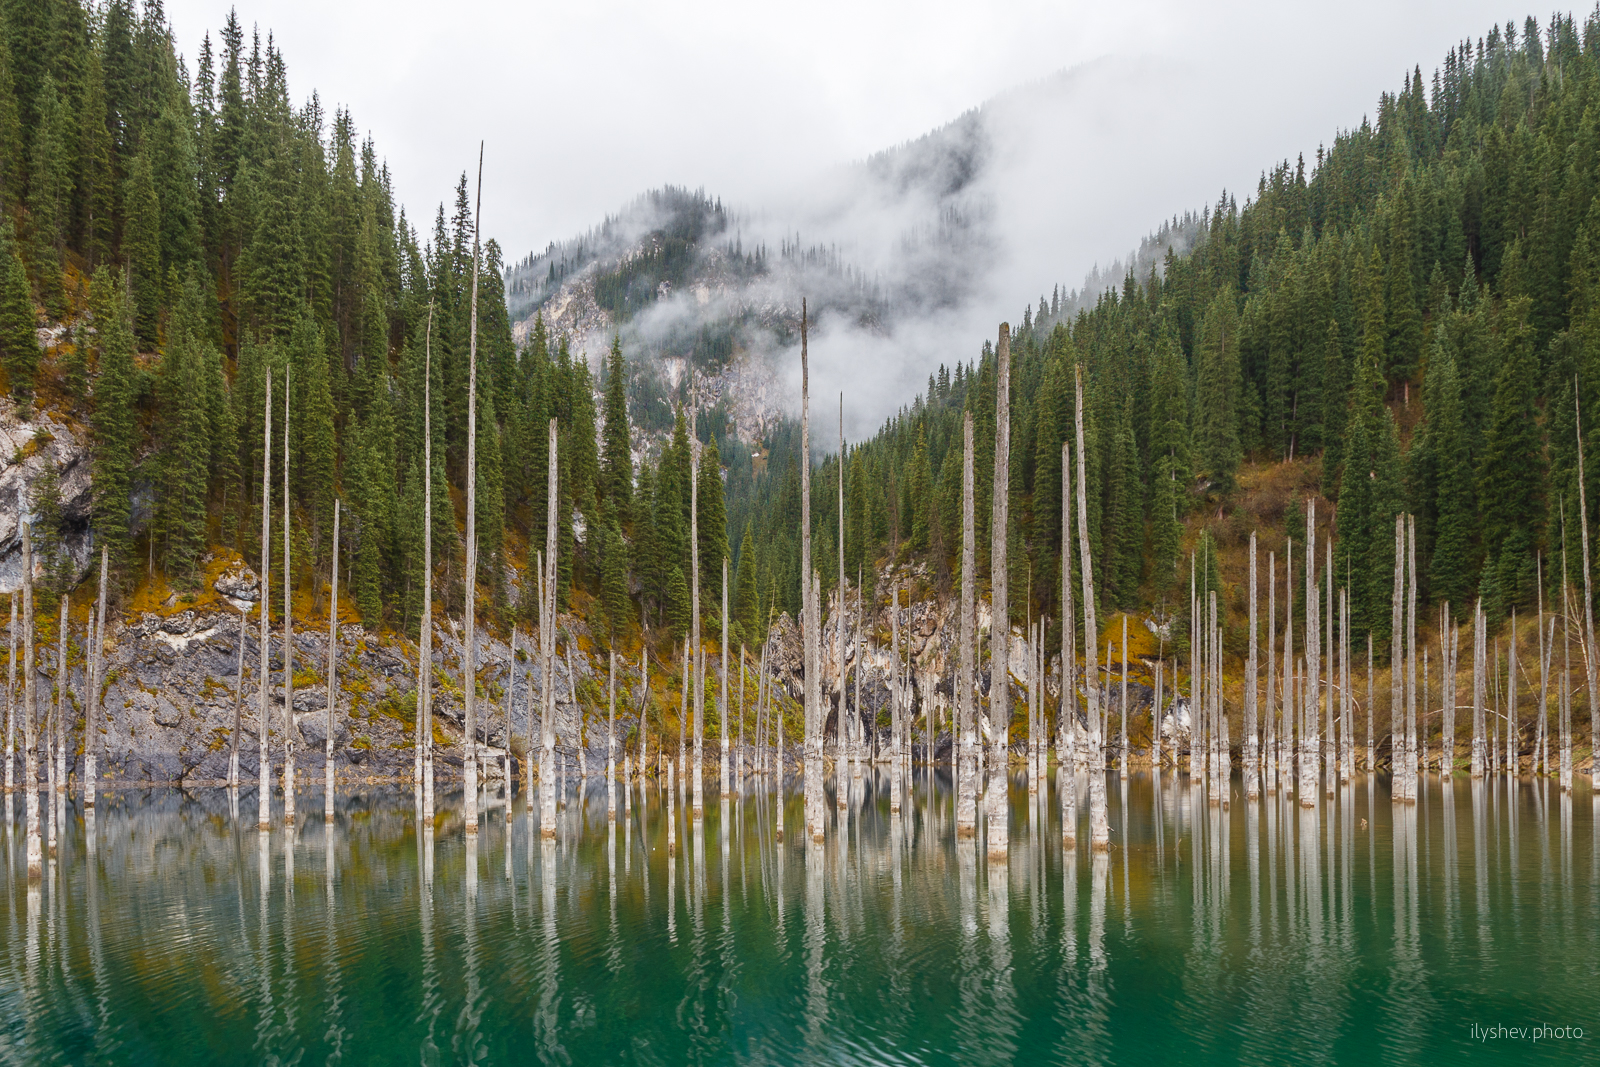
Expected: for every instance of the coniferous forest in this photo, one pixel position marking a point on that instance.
(1407, 322)
(652, 721)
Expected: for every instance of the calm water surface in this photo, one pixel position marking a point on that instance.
(168, 930)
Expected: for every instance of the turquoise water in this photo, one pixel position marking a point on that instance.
(171, 931)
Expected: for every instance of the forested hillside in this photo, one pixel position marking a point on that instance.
(1411, 319)
(1406, 322)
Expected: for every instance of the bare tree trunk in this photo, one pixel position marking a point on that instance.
(1397, 666)
(1067, 737)
(30, 759)
(422, 771)
(1268, 714)
(1252, 773)
(694, 586)
(1371, 764)
(57, 776)
(1099, 825)
(95, 708)
(1411, 660)
(11, 707)
(844, 745)
(862, 750)
(264, 771)
(1590, 667)
(1347, 750)
(469, 655)
(1310, 743)
(547, 651)
(722, 689)
(999, 575)
(809, 612)
(288, 624)
(1286, 753)
(333, 673)
(1122, 707)
(1330, 741)
(1477, 690)
(1511, 699)
(966, 714)
(611, 736)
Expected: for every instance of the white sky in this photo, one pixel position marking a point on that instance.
(584, 105)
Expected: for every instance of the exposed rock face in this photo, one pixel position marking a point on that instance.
(170, 690)
(27, 451)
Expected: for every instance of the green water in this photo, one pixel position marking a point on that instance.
(170, 931)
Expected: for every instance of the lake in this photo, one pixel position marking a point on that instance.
(169, 930)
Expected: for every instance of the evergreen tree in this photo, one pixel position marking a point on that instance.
(114, 420)
(746, 602)
(1217, 390)
(141, 248)
(616, 470)
(19, 345)
(713, 524)
(1511, 471)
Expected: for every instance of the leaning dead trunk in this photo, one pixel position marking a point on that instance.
(264, 768)
(333, 673)
(30, 759)
(966, 714)
(1099, 824)
(469, 655)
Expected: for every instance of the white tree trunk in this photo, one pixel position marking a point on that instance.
(1252, 786)
(30, 764)
(264, 767)
(333, 674)
(422, 770)
(966, 714)
(469, 655)
(288, 623)
(1099, 824)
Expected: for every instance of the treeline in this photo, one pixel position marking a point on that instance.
(1417, 314)
(196, 233)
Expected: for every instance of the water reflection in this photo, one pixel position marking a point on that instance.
(405, 938)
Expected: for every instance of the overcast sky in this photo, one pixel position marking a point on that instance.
(584, 105)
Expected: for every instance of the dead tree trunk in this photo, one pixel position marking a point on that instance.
(1590, 668)
(809, 611)
(966, 714)
(469, 654)
(1477, 690)
(999, 572)
(697, 656)
(95, 711)
(288, 624)
(722, 690)
(1267, 712)
(264, 768)
(30, 759)
(422, 769)
(1252, 777)
(333, 674)
(1099, 823)
(547, 652)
